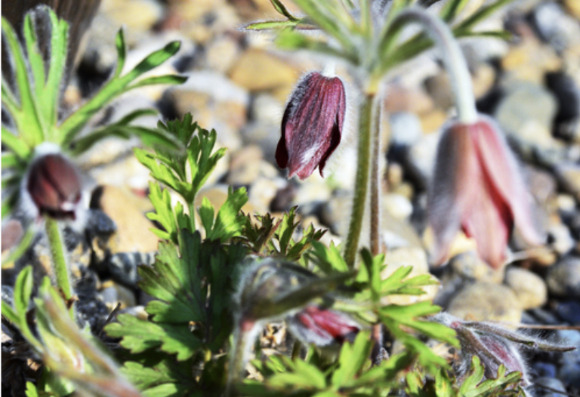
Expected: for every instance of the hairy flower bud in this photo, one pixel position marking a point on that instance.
(312, 125)
(54, 186)
(322, 327)
(478, 187)
(495, 345)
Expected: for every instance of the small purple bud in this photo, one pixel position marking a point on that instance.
(323, 327)
(312, 125)
(54, 186)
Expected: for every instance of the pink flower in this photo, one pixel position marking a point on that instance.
(322, 327)
(54, 186)
(478, 187)
(312, 124)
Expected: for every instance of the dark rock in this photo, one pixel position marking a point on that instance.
(567, 94)
(544, 369)
(569, 311)
(564, 278)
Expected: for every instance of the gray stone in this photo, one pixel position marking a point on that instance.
(439, 88)
(397, 232)
(335, 213)
(216, 102)
(247, 165)
(422, 156)
(569, 371)
(552, 383)
(405, 129)
(555, 26)
(264, 134)
(526, 113)
(469, 266)
(530, 289)
(313, 189)
(484, 301)
(398, 206)
(561, 238)
(267, 108)
(222, 53)
(564, 278)
(568, 175)
(262, 192)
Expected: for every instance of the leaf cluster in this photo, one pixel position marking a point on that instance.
(191, 282)
(31, 96)
(266, 235)
(72, 358)
(370, 41)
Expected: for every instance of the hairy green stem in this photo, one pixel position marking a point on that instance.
(452, 57)
(191, 207)
(245, 330)
(375, 185)
(361, 180)
(59, 259)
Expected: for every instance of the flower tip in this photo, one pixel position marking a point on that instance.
(311, 125)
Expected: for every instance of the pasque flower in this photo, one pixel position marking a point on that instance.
(495, 346)
(477, 187)
(54, 186)
(322, 326)
(311, 125)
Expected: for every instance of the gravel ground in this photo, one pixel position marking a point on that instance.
(238, 84)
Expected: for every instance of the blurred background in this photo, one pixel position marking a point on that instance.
(238, 83)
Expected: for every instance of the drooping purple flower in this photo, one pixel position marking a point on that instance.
(478, 187)
(323, 327)
(54, 186)
(311, 125)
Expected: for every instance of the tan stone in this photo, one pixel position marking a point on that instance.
(530, 61)
(403, 99)
(258, 70)
(483, 301)
(573, 6)
(432, 121)
(128, 212)
(143, 13)
(483, 80)
(528, 287)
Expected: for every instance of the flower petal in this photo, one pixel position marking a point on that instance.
(501, 167)
(452, 186)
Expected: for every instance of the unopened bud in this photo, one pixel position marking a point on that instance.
(312, 124)
(54, 186)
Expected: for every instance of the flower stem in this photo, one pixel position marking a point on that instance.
(452, 57)
(238, 353)
(361, 180)
(191, 208)
(375, 184)
(59, 259)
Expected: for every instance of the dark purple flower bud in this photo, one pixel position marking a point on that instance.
(495, 345)
(312, 125)
(54, 186)
(478, 187)
(323, 327)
